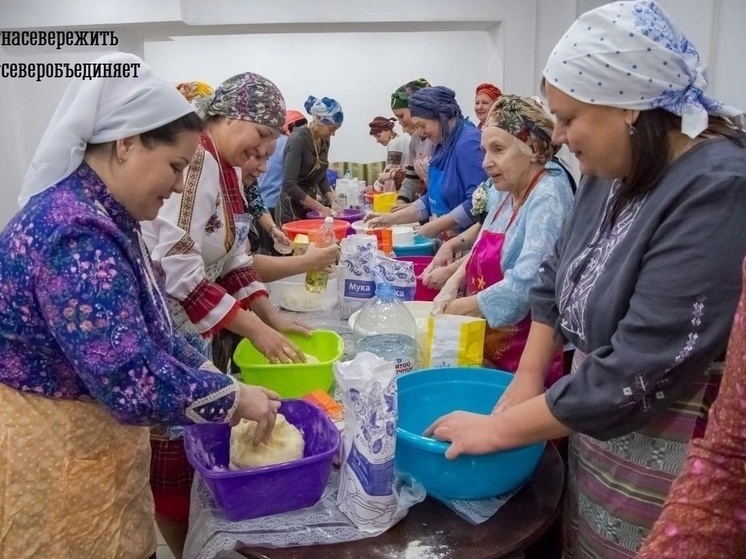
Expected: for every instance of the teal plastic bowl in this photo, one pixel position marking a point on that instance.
(420, 247)
(426, 395)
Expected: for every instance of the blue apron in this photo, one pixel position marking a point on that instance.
(438, 205)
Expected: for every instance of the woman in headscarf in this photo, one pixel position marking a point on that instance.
(420, 148)
(270, 182)
(644, 279)
(90, 356)
(199, 242)
(397, 151)
(455, 169)
(306, 159)
(528, 198)
(484, 97)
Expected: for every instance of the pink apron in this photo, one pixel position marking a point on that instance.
(502, 346)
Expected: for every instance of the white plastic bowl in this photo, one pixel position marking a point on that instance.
(291, 294)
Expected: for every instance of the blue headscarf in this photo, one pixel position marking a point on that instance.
(437, 103)
(325, 110)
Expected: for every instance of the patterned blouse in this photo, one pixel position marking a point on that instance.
(81, 317)
(705, 513)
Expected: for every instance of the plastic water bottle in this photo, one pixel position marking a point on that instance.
(316, 281)
(386, 328)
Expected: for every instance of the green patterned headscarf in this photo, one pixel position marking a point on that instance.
(400, 97)
(525, 119)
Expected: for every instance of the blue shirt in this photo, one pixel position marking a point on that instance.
(460, 164)
(271, 181)
(528, 242)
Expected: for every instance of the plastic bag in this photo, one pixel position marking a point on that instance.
(366, 494)
(355, 278)
(454, 341)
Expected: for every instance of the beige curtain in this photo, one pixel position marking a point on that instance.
(364, 171)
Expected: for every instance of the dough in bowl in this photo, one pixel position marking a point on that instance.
(284, 445)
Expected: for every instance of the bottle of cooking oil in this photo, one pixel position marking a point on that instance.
(316, 281)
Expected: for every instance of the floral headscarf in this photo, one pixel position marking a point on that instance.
(193, 90)
(400, 97)
(631, 55)
(246, 96)
(525, 119)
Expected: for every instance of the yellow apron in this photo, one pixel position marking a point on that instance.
(73, 481)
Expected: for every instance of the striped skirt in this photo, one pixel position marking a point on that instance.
(616, 488)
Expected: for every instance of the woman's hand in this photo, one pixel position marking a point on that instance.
(521, 389)
(375, 220)
(320, 259)
(468, 433)
(274, 346)
(463, 306)
(438, 277)
(336, 210)
(257, 404)
(445, 256)
(279, 237)
(325, 211)
(288, 325)
(430, 230)
(448, 292)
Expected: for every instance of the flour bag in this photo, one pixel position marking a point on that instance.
(354, 274)
(367, 494)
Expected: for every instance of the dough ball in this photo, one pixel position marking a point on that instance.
(311, 358)
(284, 445)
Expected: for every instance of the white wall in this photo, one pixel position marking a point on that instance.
(354, 50)
(360, 70)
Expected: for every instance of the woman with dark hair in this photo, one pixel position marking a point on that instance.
(90, 356)
(644, 280)
(397, 151)
(455, 169)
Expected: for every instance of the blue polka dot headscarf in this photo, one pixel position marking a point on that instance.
(631, 55)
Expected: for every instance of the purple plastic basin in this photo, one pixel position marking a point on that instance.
(271, 489)
(347, 215)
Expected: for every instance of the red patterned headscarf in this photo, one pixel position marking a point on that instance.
(491, 91)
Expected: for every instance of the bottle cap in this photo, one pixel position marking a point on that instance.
(328, 219)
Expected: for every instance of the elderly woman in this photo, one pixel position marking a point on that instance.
(89, 353)
(420, 148)
(528, 198)
(306, 160)
(643, 281)
(199, 241)
(484, 97)
(455, 169)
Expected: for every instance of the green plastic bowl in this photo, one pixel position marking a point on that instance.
(297, 379)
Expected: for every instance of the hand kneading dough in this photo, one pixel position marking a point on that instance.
(284, 445)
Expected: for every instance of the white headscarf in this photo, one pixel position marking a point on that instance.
(631, 55)
(96, 111)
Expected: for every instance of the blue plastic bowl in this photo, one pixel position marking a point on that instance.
(426, 395)
(420, 247)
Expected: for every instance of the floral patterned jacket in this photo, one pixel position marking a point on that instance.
(82, 317)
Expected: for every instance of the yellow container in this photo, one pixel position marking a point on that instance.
(384, 202)
(300, 244)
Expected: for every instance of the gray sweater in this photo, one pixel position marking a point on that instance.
(652, 300)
